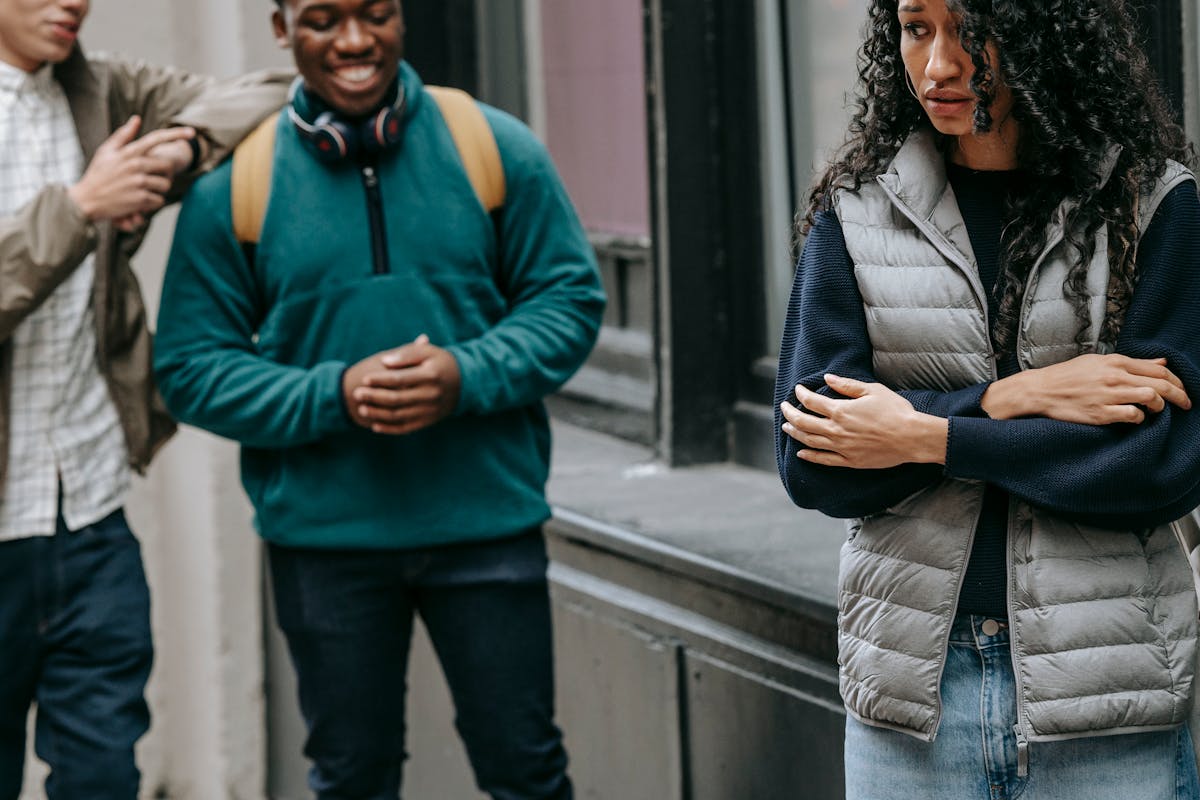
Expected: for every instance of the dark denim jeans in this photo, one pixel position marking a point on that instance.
(75, 637)
(348, 618)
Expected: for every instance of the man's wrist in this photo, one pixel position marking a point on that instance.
(197, 148)
(79, 196)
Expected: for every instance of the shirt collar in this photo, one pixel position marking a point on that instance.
(18, 81)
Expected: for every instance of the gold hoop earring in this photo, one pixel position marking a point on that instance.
(908, 81)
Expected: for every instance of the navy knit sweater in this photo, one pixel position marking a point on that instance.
(1116, 476)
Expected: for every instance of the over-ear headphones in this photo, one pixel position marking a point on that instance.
(332, 139)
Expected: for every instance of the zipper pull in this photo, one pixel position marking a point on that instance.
(1022, 752)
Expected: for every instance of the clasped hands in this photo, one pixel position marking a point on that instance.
(875, 428)
(402, 390)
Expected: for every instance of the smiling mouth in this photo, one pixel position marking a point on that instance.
(357, 75)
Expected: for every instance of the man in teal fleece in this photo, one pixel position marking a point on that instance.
(381, 357)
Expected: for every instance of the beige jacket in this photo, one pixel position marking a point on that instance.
(44, 242)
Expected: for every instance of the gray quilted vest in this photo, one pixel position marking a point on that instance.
(1103, 625)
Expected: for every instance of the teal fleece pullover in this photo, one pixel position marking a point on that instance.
(256, 352)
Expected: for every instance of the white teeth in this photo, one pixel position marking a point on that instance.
(356, 74)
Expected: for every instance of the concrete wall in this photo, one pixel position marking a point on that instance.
(207, 740)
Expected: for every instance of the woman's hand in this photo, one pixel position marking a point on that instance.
(874, 428)
(1091, 389)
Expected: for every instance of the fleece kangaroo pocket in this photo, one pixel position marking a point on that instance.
(352, 321)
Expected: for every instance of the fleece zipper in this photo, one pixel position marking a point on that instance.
(379, 247)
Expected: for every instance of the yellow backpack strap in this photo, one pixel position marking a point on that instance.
(253, 160)
(475, 142)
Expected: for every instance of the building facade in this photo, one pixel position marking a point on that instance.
(693, 604)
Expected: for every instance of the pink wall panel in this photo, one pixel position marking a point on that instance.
(596, 109)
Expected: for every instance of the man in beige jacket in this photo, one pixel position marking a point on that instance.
(78, 408)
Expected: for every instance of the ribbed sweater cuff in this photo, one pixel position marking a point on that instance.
(961, 403)
(971, 451)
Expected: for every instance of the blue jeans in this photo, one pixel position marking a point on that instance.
(348, 618)
(975, 754)
(75, 637)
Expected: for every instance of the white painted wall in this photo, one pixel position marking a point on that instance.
(202, 558)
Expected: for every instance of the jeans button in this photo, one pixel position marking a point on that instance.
(990, 627)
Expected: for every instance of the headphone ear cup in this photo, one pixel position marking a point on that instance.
(332, 139)
(383, 131)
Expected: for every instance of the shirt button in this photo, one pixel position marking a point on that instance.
(990, 627)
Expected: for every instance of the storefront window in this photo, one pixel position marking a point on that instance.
(594, 104)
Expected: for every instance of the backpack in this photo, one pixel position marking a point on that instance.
(254, 159)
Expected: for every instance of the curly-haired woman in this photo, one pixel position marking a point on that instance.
(987, 367)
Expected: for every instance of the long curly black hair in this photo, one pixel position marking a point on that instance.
(1081, 83)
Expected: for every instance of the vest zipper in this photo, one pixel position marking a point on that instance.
(1018, 682)
(379, 250)
(1022, 752)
